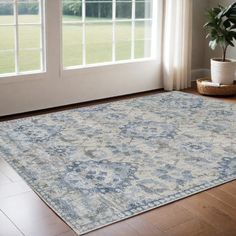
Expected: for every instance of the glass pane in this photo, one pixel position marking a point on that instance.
(143, 29)
(71, 18)
(29, 36)
(123, 50)
(143, 9)
(28, 11)
(123, 40)
(6, 13)
(99, 52)
(72, 45)
(72, 10)
(7, 62)
(99, 11)
(123, 31)
(7, 37)
(98, 49)
(142, 48)
(124, 9)
(98, 33)
(29, 60)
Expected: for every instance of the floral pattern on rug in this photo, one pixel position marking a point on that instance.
(101, 164)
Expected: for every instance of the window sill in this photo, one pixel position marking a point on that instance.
(107, 64)
(13, 78)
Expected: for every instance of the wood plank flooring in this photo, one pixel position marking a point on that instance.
(210, 213)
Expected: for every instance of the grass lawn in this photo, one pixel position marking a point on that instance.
(98, 43)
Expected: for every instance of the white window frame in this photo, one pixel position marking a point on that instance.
(16, 49)
(113, 21)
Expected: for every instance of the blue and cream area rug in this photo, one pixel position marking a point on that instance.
(101, 164)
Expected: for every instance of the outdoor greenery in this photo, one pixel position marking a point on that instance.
(93, 8)
(221, 27)
(23, 8)
(102, 9)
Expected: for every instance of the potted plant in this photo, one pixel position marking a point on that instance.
(221, 28)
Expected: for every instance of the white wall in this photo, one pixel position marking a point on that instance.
(199, 41)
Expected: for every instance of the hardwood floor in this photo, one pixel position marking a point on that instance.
(210, 213)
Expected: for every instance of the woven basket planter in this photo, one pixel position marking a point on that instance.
(221, 90)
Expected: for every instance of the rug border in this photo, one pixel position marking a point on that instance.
(163, 204)
(44, 197)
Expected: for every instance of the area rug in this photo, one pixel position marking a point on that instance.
(98, 165)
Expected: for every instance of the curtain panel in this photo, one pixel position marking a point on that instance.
(177, 44)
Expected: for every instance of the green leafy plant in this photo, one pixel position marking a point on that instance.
(221, 27)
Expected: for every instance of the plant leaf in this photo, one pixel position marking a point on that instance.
(227, 23)
(213, 44)
(221, 26)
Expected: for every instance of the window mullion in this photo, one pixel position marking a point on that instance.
(133, 29)
(42, 46)
(113, 30)
(16, 37)
(84, 31)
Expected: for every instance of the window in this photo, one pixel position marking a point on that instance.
(99, 31)
(21, 36)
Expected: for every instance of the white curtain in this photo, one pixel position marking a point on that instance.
(177, 44)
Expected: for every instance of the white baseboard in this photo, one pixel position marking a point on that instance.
(200, 73)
